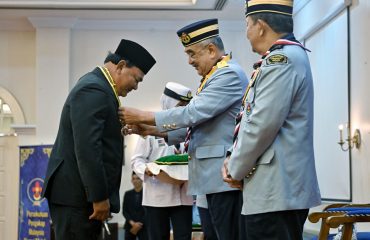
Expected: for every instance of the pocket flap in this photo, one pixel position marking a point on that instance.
(210, 151)
(267, 157)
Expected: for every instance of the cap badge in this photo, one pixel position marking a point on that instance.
(189, 95)
(185, 38)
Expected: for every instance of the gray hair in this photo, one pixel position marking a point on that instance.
(279, 23)
(217, 41)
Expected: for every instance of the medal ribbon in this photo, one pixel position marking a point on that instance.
(110, 80)
(222, 63)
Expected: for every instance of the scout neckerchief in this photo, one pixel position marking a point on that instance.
(223, 62)
(280, 43)
(111, 82)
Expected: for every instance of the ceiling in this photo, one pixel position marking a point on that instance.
(116, 4)
(15, 14)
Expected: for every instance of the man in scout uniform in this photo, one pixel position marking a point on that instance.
(84, 172)
(206, 123)
(273, 146)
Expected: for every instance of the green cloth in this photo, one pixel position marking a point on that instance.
(178, 159)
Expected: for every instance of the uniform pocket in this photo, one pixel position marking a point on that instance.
(214, 151)
(267, 157)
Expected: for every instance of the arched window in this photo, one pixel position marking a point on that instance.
(6, 117)
(10, 112)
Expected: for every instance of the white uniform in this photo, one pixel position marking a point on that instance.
(155, 192)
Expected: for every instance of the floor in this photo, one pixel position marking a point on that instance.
(306, 236)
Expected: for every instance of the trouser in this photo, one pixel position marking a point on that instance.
(159, 219)
(225, 211)
(141, 235)
(282, 225)
(73, 223)
(206, 223)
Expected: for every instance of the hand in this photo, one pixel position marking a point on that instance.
(177, 151)
(227, 177)
(224, 169)
(234, 183)
(148, 172)
(129, 129)
(133, 116)
(101, 210)
(135, 227)
(143, 130)
(164, 177)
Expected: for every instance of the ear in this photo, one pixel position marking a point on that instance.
(121, 64)
(212, 49)
(261, 27)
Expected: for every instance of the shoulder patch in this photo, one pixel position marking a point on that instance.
(277, 59)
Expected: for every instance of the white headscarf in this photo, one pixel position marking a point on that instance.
(168, 102)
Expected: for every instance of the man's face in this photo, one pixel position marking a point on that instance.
(136, 181)
(199, 56)
(252, 33)
(129, 79)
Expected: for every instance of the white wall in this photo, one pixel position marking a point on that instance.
(311, 14)
(360, 85)
(17, 68)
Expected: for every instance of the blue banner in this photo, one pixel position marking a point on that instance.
(34, 218)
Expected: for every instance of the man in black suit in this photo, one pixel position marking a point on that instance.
(84, 172)
(133, 211)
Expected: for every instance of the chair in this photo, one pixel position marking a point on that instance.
(348, 219)
(333, 214)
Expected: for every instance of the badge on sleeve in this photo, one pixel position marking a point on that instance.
(161, 142)
(277, 59)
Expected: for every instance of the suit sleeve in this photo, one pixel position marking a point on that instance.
(176, 136)
(126, 207)
(219, 94)
(89, 110)
(275, 89)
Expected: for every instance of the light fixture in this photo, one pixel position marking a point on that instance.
(350, 141)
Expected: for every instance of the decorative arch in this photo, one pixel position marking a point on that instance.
(17, 111)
